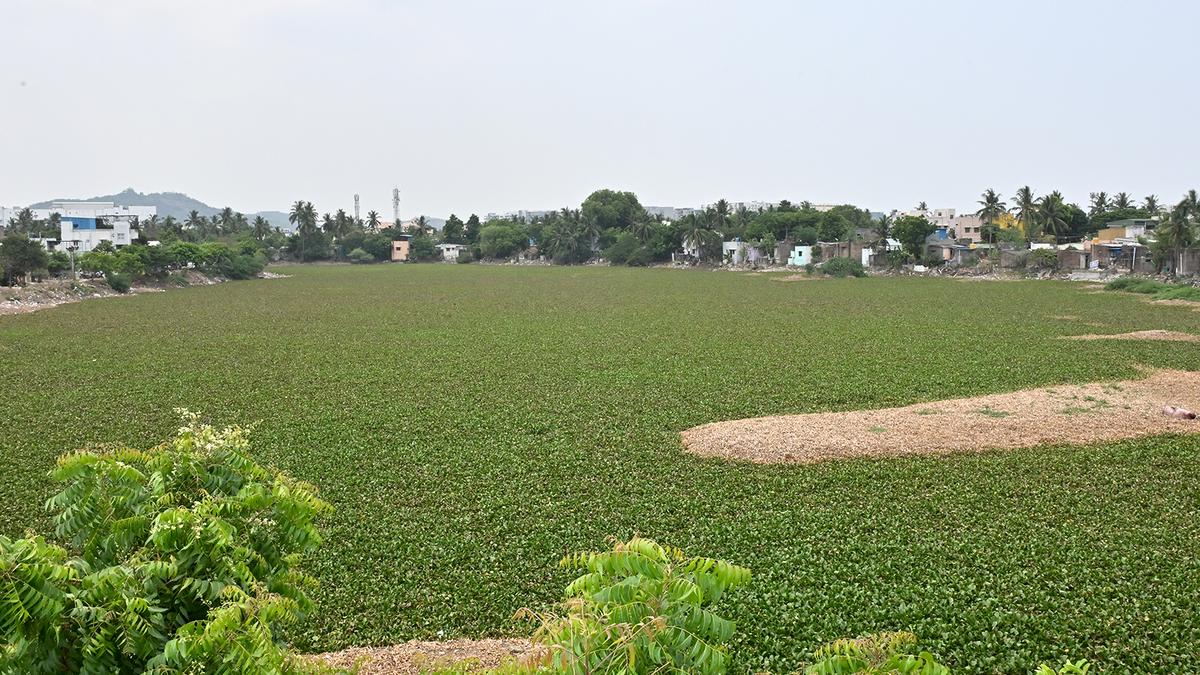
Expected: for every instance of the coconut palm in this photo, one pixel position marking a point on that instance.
(1150, 205)
(1052, 213)
(373, 220)
(1177, 233)
(195, 221)
(261, 228)
(1099, 203)
(699, 235)
(992, 207)
(1122, 200)
(922, 207)
(641, 228)
(1025, 209)
(720, 215)
(298, 213)
(883, 230)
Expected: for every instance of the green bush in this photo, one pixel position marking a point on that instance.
(1137, 285)
(843, 267)
(1179, 292)
(1043, 259)
(465, 256)
(641, 608)
(360, 256)
(882, 654)
(118, 281)
(187, 561)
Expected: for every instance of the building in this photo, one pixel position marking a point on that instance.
(967, 228)
(450, 252)
(84, 225)
(1130, 228)
(739, 253)
(400, 248)
(800, 255)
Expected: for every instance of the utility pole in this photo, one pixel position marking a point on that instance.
(356, 218)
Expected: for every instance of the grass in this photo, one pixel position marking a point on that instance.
(1157, 289)
(471, 424)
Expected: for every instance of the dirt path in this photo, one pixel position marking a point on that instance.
(1078, 414)
(417, 656)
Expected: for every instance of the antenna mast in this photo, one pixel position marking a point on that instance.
(396, 206)
(356, 218)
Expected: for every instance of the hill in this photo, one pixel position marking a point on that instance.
(175, 204)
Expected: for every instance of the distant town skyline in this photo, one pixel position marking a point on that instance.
(477, 107)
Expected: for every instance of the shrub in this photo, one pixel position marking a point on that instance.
(118, 281)
(188, 555)
(843, 267)
(1043, 259)
(884, 653)
(641, 608)
(465, 256)
(360, 256)
(1137, 285)
(1178, 292)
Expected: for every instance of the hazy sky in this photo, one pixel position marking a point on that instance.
(491, 106)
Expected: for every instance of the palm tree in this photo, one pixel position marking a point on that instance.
(297, 214)
(327, 224)
(1025, 209)
(641, 228)
(1122, 200)
(1176, 232)
(261, 228)
(992, 207)
(720, 215)
(373, 220)
(1099, 203)
(1052, 213)
(883, 230)
(195, 221)
(1150, 205)
(699, 236)
(922, 207)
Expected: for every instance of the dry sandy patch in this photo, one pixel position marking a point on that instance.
(417, 656)
(797, 277)
(1088, 413)
(1178, 303)
(1156, 334)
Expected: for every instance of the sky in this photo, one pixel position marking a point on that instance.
(478, 106)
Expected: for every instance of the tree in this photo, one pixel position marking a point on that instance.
(1099, 203)
(1176, 232)
(911, 232)
(373, 220)
(1052, 214)
(453, 231)
(700, 238)
(261, 228)
(23, 222)
(472, 228)
(922, 207)
(1025, 209)
(502, 238)
(21, 257)
(1122, 200)
(195, 222)
(605, 209)
(1151, 206)
(991, 207)
(833, 226)
(883, 230)
(184, 558)
(297, 214)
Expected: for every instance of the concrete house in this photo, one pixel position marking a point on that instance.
(450, 251)
(738, 252)
(400, 248)
(800, 255)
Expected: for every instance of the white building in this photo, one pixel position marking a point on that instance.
(83, 225)
(800, 255)
(450, 251)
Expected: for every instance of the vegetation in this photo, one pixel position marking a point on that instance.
(1158, 289)
(186, 559)
(641, 608)
(470, 423)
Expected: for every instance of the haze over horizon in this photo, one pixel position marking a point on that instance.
(478, 106)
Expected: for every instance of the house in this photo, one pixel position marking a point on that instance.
(400, 248)
(877, 256)
(450, 251)
(738, 252)
(1071, 258)
(85, 225)
(1129, 228)
(1123, 254)
(842, 249)
(82, 234)
(800, 255)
